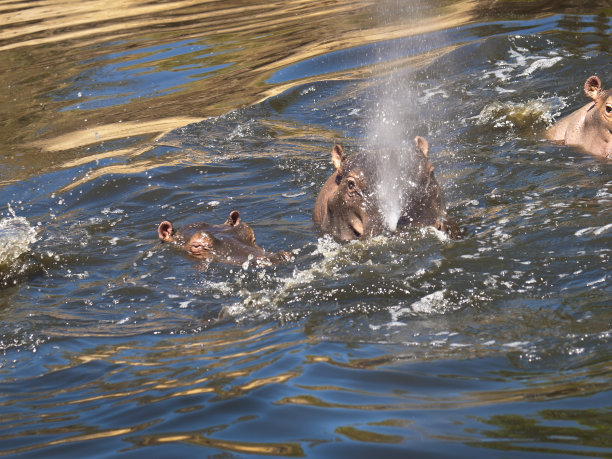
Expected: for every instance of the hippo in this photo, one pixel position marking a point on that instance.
(347, 207)
(589, 127)
(233, 242)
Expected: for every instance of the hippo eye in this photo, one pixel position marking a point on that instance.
(608, 109)
(351, 184)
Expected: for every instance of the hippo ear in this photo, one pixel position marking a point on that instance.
(233, 219)
(165, 231)
(337, 156)
(592, 87)
(422, 145)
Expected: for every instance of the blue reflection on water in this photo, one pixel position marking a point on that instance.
(365, 55)
(139, 73)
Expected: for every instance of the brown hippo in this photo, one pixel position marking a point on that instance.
(232, 242)
(348, 208)
(589, 127)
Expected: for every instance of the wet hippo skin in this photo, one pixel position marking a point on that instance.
(347, 207)
(232, 242)
(589, 127)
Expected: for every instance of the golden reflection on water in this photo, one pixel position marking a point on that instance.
(203, 349)
(368, 436)
(268, 449)
(107, 433)
(213, 358)
(263, 37)
(134, 167)
(229, 364)
(108, 132)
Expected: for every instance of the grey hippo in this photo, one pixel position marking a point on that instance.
(347, 206)
(232, 242)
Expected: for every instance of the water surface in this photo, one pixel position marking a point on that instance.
(495, 345)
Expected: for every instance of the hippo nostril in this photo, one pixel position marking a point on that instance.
(198, 247)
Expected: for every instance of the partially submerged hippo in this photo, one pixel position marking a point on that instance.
(347, 207)
(232, 242)
(589, 127)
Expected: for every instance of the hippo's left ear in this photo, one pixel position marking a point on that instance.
(233, 219)
(592, 87)
(165, 231)
(337, 156)
(422, 145)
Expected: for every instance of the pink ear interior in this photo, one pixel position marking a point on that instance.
(164, 231)
(592, 87)
(234, 218)
(337, 156)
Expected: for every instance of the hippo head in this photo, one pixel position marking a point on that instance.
(198, 242)
(202, 240)
(362, 199)
(589, 127)
(200, 245)
(602, 108)
(233, 242)
(352, 211)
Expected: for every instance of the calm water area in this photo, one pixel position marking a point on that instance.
(115, 116)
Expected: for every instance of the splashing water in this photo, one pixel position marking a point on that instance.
(389, 129)
(391, 155)
(16, 235)
(520, 114)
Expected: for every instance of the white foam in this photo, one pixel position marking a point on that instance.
(431, 93)
(517, 344)
(539, 64)
(293, 195)
(268, 301)
(432, 303)
(16, 235)
(184, 304)
(510, 114)
(520, 64)
(107, 211)
(308, 90)
(595, 230)
(598, 281)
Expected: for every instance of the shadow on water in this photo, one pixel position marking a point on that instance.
(412, 344)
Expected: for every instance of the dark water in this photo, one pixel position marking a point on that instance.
(495, 345)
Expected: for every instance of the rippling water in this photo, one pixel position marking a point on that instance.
(114, 119)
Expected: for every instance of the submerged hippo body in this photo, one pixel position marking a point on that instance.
(347, 206)
(233, 242)
(589, 127)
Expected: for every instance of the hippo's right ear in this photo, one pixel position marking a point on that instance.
(337, 156)
(165, 231)
(422, 145)
(592, 87)
(233, 219)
